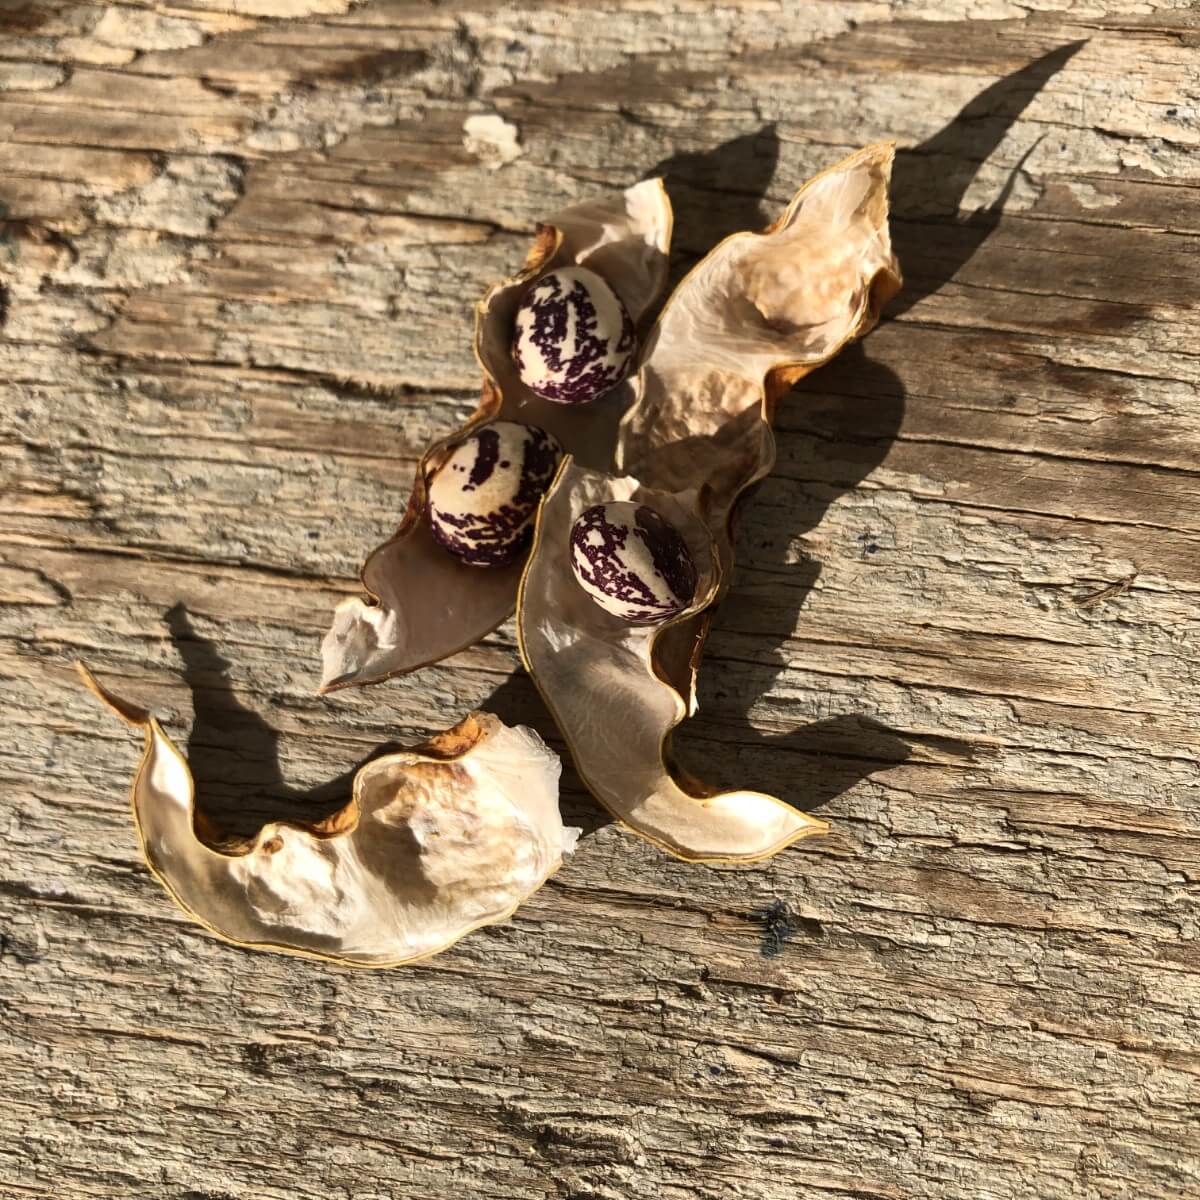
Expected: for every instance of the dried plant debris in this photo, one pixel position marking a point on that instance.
(1109, 592)
(555, 344)
(433, 843)
(758, 313)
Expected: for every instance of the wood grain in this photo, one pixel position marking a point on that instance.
(241, 244)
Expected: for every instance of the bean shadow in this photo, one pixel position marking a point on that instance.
(837, 427)
(234, 754)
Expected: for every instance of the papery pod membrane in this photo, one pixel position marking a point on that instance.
(433, 843)
(759, 312)
(425, 604)
(599, 678)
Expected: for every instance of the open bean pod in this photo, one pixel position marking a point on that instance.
(433, 843)
(424, 603)
(600, 677)
(760, 311)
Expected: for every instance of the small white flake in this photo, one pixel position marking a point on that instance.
(492, 139)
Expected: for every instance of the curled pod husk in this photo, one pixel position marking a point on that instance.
(433, 843)
(599, 677)
(425, 604)
(760, 311)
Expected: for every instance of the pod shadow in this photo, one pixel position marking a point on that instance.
(234, 753)
(837, 426)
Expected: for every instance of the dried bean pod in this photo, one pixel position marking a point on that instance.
(599, 678)
(760, 311)
(433, 843)
(424, 604)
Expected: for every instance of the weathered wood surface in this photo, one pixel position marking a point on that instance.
(243, 243)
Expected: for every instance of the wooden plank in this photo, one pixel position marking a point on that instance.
(241, 246)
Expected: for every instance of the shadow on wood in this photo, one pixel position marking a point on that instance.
(234, 754)
(715, 193)
(849, 414)
(932, 238)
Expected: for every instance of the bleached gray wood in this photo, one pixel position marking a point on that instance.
(242, 246)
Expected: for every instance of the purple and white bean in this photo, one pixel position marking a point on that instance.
(632, 561)
(573, 340)
(483, 498)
